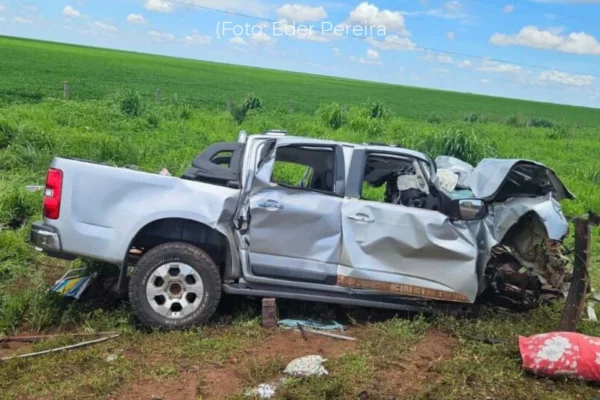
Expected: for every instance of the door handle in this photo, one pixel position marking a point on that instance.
(361, 218)
(272, 204)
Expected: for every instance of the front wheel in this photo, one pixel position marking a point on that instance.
(175, 286)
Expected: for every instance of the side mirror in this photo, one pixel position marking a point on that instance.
(468, 209)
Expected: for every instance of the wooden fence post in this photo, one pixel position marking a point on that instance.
(575, 302)
(228, 104)
(158, 96)
(66, 90)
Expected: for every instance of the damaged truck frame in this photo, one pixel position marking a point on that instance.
(273, 215)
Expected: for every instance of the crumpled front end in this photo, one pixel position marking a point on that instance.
(520, 241)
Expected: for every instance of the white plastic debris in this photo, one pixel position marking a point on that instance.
(165, 172)
(447, 179)
(406, 182)
(263, 391)
(111, 358)
(307, 366)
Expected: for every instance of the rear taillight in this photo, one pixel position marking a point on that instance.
(52, 193)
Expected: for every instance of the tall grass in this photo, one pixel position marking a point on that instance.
(101, 131)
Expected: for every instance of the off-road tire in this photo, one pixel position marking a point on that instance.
(161, 255)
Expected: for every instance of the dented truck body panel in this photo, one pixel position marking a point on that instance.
(327, 238)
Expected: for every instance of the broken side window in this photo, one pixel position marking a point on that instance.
(305, 167)
(396, 179)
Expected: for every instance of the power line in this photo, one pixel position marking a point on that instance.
(408, 47)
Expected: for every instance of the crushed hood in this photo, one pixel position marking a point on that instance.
(499, 179)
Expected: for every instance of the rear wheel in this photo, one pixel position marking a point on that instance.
(175, 286)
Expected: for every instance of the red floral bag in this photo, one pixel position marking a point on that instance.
(562, 354)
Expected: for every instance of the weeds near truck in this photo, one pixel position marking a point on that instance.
(34, 127)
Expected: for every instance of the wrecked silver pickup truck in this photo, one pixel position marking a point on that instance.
(292, 217)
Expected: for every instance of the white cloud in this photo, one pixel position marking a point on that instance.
(441, 70)
(451, 35)
(254, 7)
(159, 6)
(532, 36)
(195, 38)
(302, 32)
(301, 13)
(496, 67)
(392, 42)
(401, 69)
(336, 51)
(261, 38)
(22, 20)
(238, 40)
(70, 12)
(508, 8)
(2, 19)
(453, 6)
(136, 19)
(366, 14)
(371, 58)
(564, 78)
(449, 10)
(105, 27)
(486, 81)
(2, 8)
(445, 59)
(442, 58)
(161, 36)
(464, 64)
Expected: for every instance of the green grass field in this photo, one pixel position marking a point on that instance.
(31, 70)
(107, 122)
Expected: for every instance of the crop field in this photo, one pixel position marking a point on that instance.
(112, 117)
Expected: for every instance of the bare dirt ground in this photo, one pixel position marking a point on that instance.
(226, 380)
(406, 376)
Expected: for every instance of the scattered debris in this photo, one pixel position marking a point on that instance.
(591, 311)
(564, 354)
(263, 391)
(301, 329)
(70, 347)
(111, 358)
(73, 283)
(37, 338)
(487, 340)
(34, 188)
(293, 323)
(165, 172)
(306, 366)
(331, 335)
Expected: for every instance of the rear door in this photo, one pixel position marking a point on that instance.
(294, 211)
(400, 249)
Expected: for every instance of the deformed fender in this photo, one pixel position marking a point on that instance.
(546, 208)
(491, 230)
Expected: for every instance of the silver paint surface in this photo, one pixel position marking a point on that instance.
(103, 208)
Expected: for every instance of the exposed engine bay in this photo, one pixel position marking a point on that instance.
(527, 269)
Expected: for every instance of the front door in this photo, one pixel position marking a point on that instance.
(405, 250)
(294, 208)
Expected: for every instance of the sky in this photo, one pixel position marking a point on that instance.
(544, 50)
